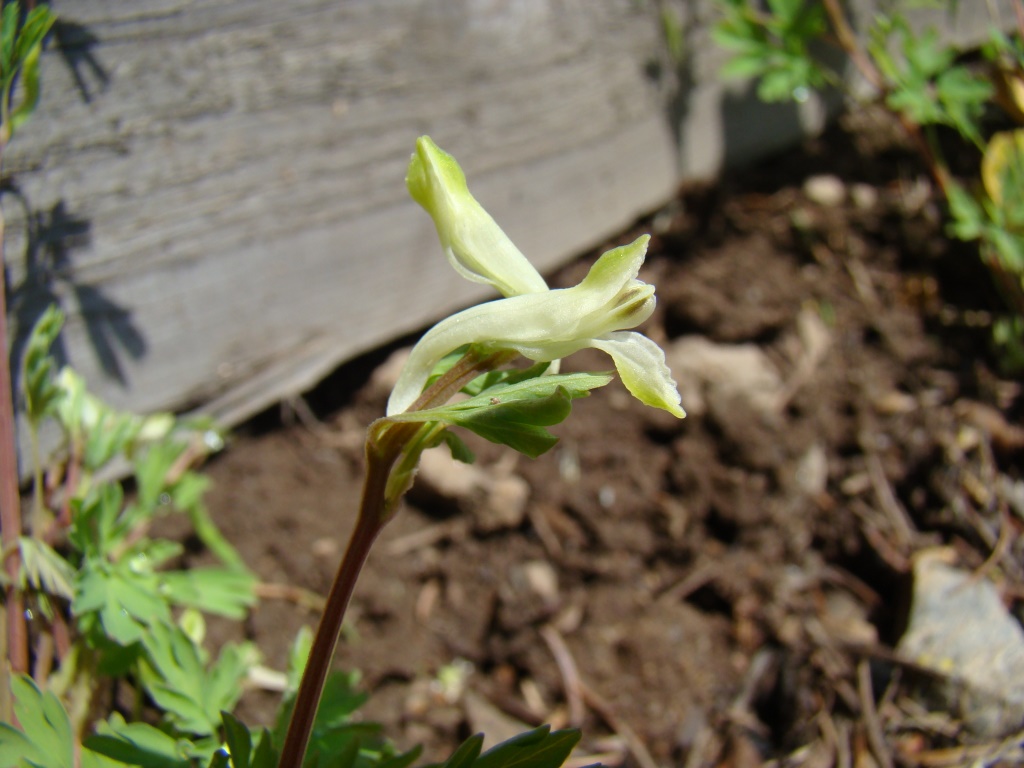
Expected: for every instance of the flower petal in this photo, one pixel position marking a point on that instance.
(475, 245)
(615, 270)
(529, 324)
(642, 368)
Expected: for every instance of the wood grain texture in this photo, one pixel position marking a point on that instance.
(213, 189)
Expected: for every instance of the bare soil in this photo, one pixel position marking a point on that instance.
(723, 590)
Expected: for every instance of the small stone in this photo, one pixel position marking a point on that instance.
(959, 626)
(505, 506)
(542, 580)
(740, 371)
(812, 471)
(863, 196)
(449, 483)
(825, 190)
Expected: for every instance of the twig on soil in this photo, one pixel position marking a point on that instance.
(862, 282)
(452, 529)
(546, 534)
(690, 583)
(836, 738)
(893, 557)
(704, 748)
(740, 712)
(304, 598)
(604, 709)
(900, 521)
(570, 674)
(1001, 546)
(869, 715)
(1009, 751)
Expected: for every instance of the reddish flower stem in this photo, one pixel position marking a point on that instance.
(383, 448)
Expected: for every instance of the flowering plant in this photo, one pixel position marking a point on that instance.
(469, 352)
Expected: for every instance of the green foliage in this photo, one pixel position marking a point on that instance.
(920, 78)
(539, 748)
(774, 47)
(515, 413)
(113, 580)
(45, 738)
(20, 48)
(41, 393)
(190, 691)
(140, 744)
(924, 83)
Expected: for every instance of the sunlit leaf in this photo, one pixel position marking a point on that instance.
(516, 414)
(539, 748)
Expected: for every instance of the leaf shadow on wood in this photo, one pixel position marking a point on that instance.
(76, 45)
(52, 237)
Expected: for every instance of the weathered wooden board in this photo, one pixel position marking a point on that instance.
(213, 189)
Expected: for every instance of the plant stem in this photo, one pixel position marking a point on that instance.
(384, 446)
(10, 501)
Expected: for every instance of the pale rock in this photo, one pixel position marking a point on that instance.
(863, 196)
(825, 190)
(542, 579)
(451, 481)
(494, 497)
(505, 506)
(734, 370)
(811, 473)
(960, 628)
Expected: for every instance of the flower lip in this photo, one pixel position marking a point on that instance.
(554, 324)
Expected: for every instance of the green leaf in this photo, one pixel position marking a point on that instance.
(30, 89)
(297, 657)
(467, 752)
(265, 755)
(238, 740)
(504, 376)
(516, 414)
(175, 676)
(223, 591)
(139, 744)
(125, 601)
(963, 96)
(538, 748)
(333, 730)
(8, 33)
(112, 434)
(341, 754)
(927, 56)
(37, 26)
(403, 760)
(746, 65)
(94, 531)
(340, 699)
(46, 739)
(41, 392)
(188, 490)
(785, 10)
(460, 451)
(151, 471)
(44, 569)
(967, 216)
